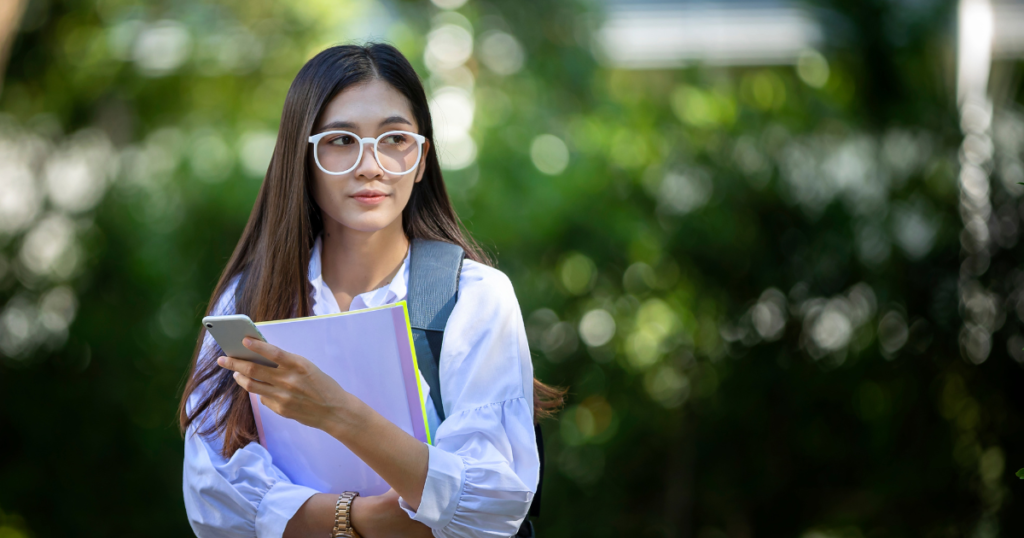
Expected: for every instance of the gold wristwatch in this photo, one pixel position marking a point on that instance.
(343, 516)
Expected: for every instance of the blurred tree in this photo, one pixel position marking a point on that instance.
(747, 276)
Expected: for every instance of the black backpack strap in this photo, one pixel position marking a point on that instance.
(434, 272)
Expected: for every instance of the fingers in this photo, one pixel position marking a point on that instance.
(247, 368)
(270, 351)
(278, 355)
(287, 389)
(274, 398)
(252, 385)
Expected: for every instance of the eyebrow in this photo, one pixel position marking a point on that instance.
(349, 125)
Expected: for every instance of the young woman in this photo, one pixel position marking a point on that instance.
(353, 179)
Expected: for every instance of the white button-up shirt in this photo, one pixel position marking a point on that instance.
(483, 468)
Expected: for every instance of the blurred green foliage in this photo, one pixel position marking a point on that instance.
(747, 276)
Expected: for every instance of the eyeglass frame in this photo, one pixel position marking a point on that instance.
(315, 140)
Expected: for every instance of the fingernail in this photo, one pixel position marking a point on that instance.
(245, 341)
(221, 360)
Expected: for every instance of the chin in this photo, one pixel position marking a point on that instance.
(367, 223)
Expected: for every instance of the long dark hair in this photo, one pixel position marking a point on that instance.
(276, 245)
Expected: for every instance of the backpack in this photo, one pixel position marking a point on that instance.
(434, 270)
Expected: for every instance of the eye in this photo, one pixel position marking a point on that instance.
(341, 140)
(394, 139)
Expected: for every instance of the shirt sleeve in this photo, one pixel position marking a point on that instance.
(484, 467)
(241, 496)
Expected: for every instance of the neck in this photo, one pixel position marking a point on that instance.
(354, 261)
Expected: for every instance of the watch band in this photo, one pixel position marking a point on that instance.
(343, 516)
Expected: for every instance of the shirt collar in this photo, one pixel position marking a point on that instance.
(323, 298)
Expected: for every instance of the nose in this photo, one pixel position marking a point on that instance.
(368, 166)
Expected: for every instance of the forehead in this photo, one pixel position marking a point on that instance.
(367, 104)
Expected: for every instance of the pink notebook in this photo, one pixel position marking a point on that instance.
(370, 353)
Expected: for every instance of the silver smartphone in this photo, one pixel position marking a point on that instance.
(229, 331)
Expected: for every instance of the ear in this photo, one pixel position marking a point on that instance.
(423, 161)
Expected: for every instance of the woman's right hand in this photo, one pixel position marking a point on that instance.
(380, 516)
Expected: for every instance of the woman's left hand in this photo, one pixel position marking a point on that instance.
(296, 389)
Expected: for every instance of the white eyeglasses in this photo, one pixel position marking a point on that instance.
(339, 152)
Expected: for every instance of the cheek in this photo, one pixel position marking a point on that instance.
(328, 193)
(322, 189)
(403, 191)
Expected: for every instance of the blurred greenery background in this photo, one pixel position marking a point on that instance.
(771, 248)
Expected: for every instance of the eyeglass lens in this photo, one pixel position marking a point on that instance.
(396, 152)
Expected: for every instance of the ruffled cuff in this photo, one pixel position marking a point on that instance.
(446, 475)
(278, 507)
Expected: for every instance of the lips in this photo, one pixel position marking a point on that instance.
(370, 196)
